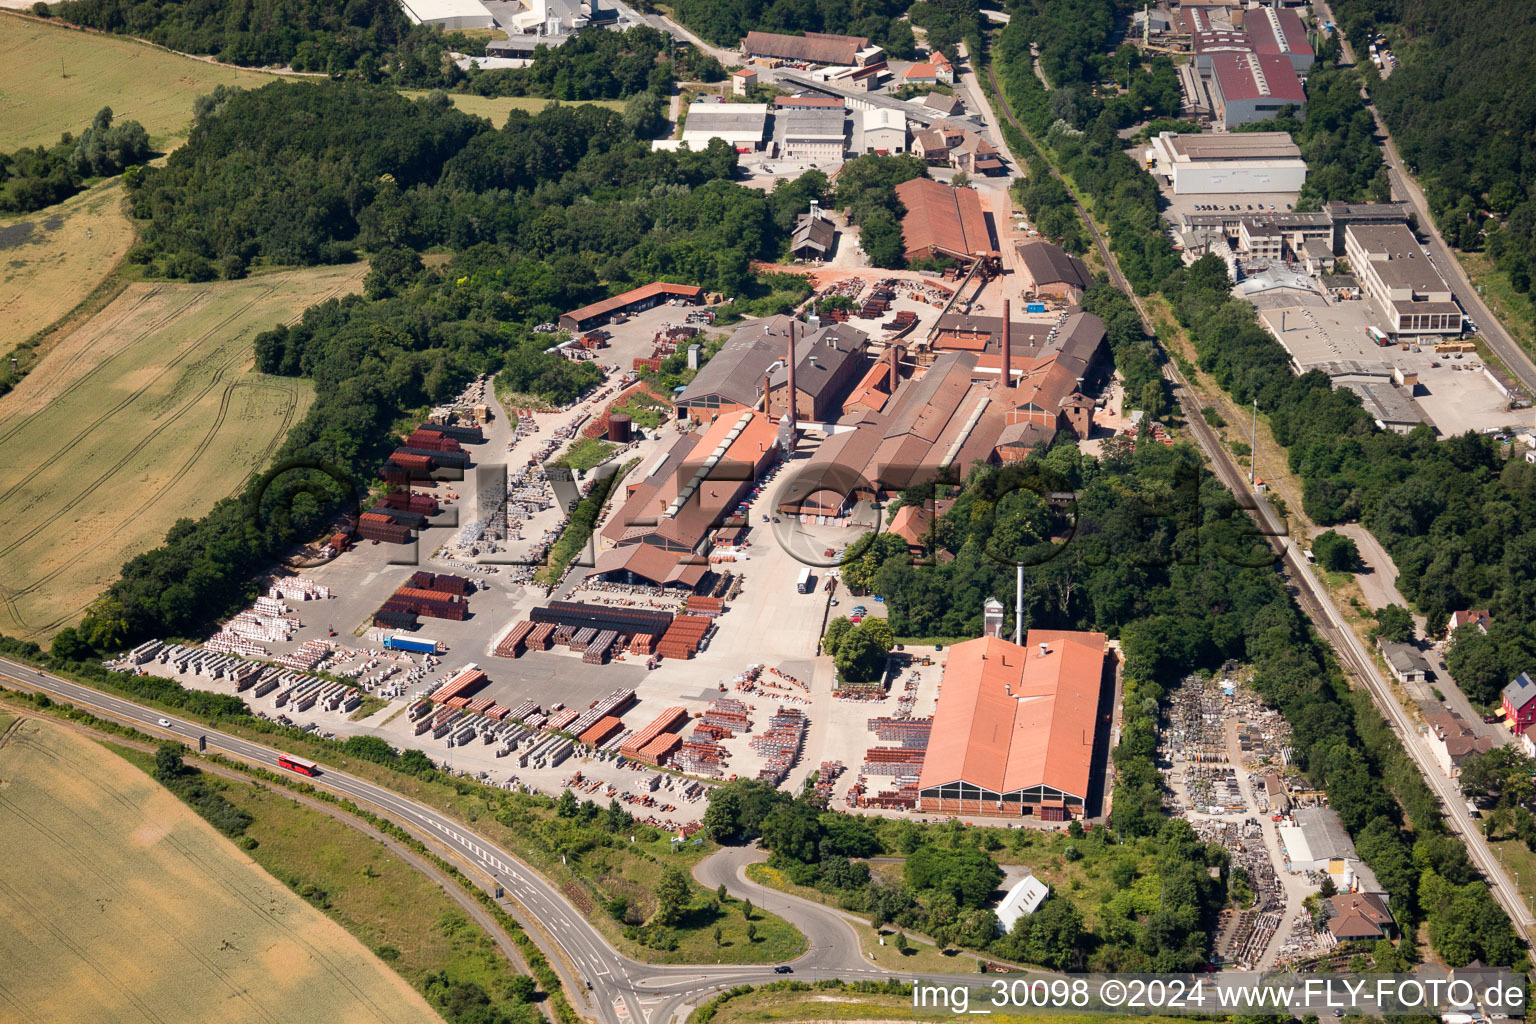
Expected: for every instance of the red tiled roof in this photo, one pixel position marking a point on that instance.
(618, 302)
(948, 219)
(1236, 80)
(1011, 717)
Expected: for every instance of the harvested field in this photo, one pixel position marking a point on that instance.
(139, 82)
(121, 904)
(145, 414)
(51, 260)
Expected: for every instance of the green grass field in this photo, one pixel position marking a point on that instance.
(354, 879)
(1516, 311)
(53, 80)
(798, 1001)
(585, 453)
(496, 108)
(145, 913)
(146, 413)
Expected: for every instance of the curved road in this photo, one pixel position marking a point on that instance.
(622, 990)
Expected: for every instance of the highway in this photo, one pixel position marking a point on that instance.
(1490, 329)
(1316, 603)
(609, 986)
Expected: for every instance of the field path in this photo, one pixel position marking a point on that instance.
(99, 854)
(145, 414)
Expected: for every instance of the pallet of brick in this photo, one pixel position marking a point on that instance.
(581, 638)
(467, 681)
(669, 721)
(561, 719)
(424, 504)
(538, 637)
(513, 643)
(454, 460)
(640, 644)
(376, 526)
(496, 712)
(442, 583)
(522, 711)
(458, 702)
(599, 733)
(597, 651)
(659, 750)
(708, 607)
(403, 516)
(480, 705)
(615, 703)
(432, 441)
(460, 432)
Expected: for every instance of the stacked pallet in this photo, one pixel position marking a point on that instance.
(640, 644)
(683, 636)
(538, 637)
(660, 750)
(597, 651)
(668, 722)
(512, 644)
(378, 526)
(496, 712)
(522, 711)
(429, 603)
(728, 714)
(579, 640)
(912, 733)
(459, 432)
(466, 682)
(710, 607)
(442, 583)
(454, 460)
(425, 504)
(780, 743)
(481, 705)
(403, 516)
(392, 618)
(308, 654)
(410, 464)
(561, 719)
(700, 757)
(601, 731)
(897, 761)
(615, 703)
(431, 440)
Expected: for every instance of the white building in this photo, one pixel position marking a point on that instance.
(741, 125)
(448, 14)
(1396, 273)
(1228, 163)
(1022, 900)
(883, 131)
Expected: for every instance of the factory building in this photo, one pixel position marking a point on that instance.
(944, 221)
(883, 131)
(1015, 728)
(1279, 32)
(812, 48)
(449, 15)
(817, 135)
(660, 535)
(733, 379)
(1399, 277)
(1051, 270)
(743, 126)
(1228, 164)
(827, 364)
(1250, 87)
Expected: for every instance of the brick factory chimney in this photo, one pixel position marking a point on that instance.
(793, 410)
(1007, 377)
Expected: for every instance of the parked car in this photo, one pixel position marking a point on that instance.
(783, 969)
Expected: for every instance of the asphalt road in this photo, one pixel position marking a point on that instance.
(1310, 594)
(1404, 187)
(622, 990)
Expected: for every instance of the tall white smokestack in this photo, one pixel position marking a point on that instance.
(1018, 602)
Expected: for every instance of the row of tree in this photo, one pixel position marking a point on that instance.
(37, 177)
(726, 24)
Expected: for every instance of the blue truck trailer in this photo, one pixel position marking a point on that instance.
(410, 643)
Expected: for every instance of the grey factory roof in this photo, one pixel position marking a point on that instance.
(818, 357)
(726, 117)
(1401, 263)
(1326, 838)
(802, 124)
(1386, 404)
(1051, 264)
(1232, 146)
(736, 371)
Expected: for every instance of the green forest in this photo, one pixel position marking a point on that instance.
(35, 178)
(1461, 109)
